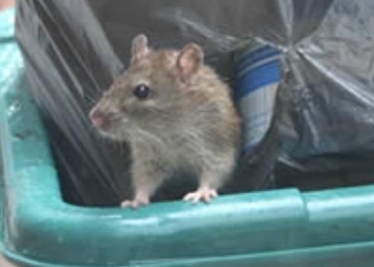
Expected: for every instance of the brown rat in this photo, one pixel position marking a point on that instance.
(175, 113)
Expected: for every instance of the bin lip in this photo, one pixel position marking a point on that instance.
(16, 258)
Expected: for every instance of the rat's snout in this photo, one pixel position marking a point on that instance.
(98, 118)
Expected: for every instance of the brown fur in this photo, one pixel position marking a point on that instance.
(189, 122)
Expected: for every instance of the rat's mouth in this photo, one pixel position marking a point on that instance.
(103, 120)
(110, 125)
(112, 129)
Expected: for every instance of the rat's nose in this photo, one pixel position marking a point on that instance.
(98, 119)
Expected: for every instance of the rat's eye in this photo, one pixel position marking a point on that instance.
(142, 91)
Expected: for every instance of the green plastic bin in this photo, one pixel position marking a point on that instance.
(331, 228)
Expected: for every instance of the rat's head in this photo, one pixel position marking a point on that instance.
(150, 92)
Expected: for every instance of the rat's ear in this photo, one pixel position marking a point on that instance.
(139, 47)
(189, 60)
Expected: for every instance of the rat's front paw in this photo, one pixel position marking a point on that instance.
(202, 194)
(134, 203)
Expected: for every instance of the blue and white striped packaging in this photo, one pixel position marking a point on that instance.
(257, 75)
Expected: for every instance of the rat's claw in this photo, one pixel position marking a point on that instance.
(203, 194)
(134, 203)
